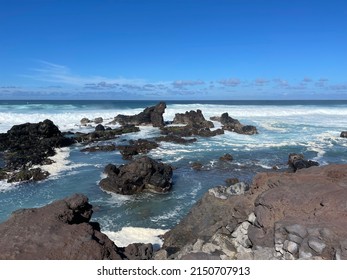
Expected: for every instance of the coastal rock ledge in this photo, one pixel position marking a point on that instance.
(62, 231)
(300, 215)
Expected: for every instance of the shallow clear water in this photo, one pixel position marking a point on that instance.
(311, 128)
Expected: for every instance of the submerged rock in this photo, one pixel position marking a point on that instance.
(143, 174)
(151, 115)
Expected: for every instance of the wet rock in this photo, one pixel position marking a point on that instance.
(175, 139)
(104, 135)
(226, 157)
(196, 166)
(193, 119)
(31, 144)
(85, 121)
(187, 131)
(143, 174)
(99, 127)
(297, 161)
(231, 181)
(234, 125)
(151, 115)
(343, 134)
(136, 147)
(34, 174)
(103, 148)
(98, 120)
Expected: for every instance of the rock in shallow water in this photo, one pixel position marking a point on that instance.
(143, 174)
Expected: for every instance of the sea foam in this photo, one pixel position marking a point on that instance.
(129, 235)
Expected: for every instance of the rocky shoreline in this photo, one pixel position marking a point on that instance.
(300, 215)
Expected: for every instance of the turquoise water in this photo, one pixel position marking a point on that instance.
(308, 127)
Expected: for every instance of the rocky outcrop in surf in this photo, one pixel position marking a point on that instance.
(234, 125)
(136, 147)
(343, 134)
(62, 231)
(27, 146)
(151, 115)
(142, 174)
(298, 215)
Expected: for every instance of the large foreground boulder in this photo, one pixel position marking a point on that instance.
(59, 231)
(143, 174)
(300, 215)
(151, 115)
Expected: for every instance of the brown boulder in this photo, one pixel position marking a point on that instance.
(59, 231)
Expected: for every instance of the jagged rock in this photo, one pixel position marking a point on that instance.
(143, 174)
(343, 134)
(104, 148)
(151, 115)
(234, 125)
(175, 139)
(30, 144)
(103, 135)
(193, 119)
(98, 120)
(85, 121)
(99, 127)
(282, 216)
(297, 161)
(231, 181)
(59, 231)
(226, 157)
(196, 166)
(135, 147)
(34, 174)
(187, 131)
(138, 251)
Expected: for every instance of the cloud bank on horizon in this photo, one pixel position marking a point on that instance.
(208, 49)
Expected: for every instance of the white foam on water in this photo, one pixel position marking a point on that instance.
(167, 216)
(129, 235)
(5, 187)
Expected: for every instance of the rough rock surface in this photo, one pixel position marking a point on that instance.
(175, 139)
(151, 115)
(234, 125)
(61, 231)
(300, 215)
(135, 147)
(298, 161)
(102, 148)
(27, 145)
(187, 131)
(143, 174)
(193, 118)
(343, 134)
(102, 135)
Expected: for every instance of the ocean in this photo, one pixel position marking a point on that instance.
(309, 127)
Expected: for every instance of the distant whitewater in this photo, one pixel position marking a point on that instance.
(308, 127)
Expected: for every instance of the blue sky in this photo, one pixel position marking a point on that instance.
(178, 49)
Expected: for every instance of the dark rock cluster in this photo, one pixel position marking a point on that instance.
(27, 145)
(151, 115)
(142, 174)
